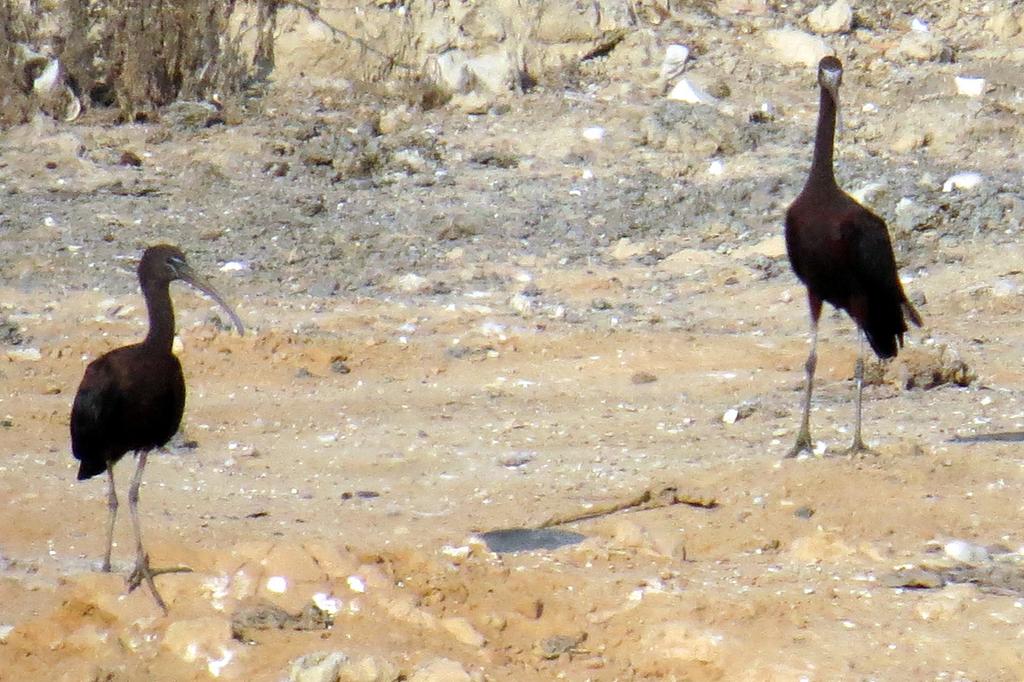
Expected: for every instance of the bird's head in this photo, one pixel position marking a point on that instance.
(830, 75)
(162, 264)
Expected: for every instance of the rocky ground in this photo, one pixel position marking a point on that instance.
(514, 310)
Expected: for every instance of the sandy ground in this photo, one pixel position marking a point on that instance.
(522, 343)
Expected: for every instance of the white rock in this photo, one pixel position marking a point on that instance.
(836, 18)
(234, 266)
(24, 355)
(410, 161)
(440, 670)
(493, 329)
(521, 304)
(963, 181)
(919, 26)
(922, 47)
(215, 666)
(462, 630)
(277, 584)
(495, 71)
(970, 87)
(455, 552)
(450, 70)
(1001, 288)
(793, 46)
(674, 62)
(218, 588)
(716, 167)
(909, 214)
(412, 283)
(47, 80)
(731, 415)
(369, 669)
(318, 667)
(966, 552)
(356, 584)
(869, 193)
(593, 134)
(685, 91)
(326, 603)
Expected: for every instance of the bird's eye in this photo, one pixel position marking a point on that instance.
(174, 263)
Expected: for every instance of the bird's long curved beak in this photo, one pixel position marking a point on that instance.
(187, 274)
(830, 82)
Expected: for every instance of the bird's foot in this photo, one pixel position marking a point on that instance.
(859, 449)
(803, 444)
(143, 572)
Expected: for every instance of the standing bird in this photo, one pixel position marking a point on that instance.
(132, 398)
(841, 251)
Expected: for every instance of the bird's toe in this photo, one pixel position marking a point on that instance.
(860, 449)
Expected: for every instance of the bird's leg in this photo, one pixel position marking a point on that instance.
(858, 446)
(803, 438)
(111, 515)
(142, 570)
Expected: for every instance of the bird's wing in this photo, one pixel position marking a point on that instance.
(870, 251)
(95, 410)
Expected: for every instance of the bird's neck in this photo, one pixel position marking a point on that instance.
(822, 174)
(161, 316)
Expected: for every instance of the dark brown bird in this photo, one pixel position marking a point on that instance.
(842, 252)
(132, 398)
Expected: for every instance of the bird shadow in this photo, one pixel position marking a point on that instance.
(997, 437)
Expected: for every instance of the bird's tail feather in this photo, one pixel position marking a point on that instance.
(885, 327)
(88, 469)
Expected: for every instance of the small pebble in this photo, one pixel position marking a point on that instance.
(968, 180)
(966, 552)
(685, 91)
(970, 87)
(674, 62)
(234, 266)
(25, 354)
(326, 603)
(516, 459)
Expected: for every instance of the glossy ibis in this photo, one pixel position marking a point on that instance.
(132, 398)
(842, 252)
